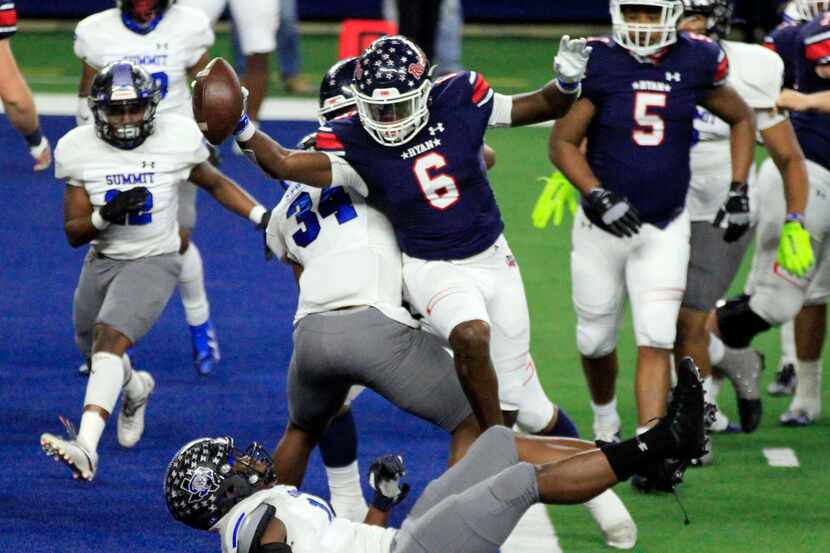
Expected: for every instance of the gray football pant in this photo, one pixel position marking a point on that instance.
(476, 504)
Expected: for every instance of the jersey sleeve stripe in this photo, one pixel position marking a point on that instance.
(480, 89)
(328, 141)
(722, 72)
(770, 43)
(8, 17)
(818, 51)
(486, 98)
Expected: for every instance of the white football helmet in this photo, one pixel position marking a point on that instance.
(808, 10)
(641, 38)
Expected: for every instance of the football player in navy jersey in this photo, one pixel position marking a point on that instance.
(631, 234)
(415, 150)
(774, 296)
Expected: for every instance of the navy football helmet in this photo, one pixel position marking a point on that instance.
(208, 476)
(641, 38)
(142, 16)
(336, 90)
(123, 100)
(718, 14)
(392, 81)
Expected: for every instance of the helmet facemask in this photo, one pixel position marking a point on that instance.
(391, 118)
(655, 26)
(808, 10)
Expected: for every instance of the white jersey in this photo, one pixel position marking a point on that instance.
(756, 73)
(164, 160)
(347, 250)
(178, 42)
(310, 524)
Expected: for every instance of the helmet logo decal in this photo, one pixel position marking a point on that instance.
(202, 483)
(416, 70)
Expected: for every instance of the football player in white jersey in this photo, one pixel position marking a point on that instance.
(473, 507)
(756, 75)
(122, 176)
(256, 23)
(171, 43)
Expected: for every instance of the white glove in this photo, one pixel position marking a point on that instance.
(83, 115)
(571, 60)
(42, 154)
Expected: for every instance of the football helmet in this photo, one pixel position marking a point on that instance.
(123, 100)
(336, 90)
(208, 476)
(643, 38)
(142, 16)
(718, 14)
(392, 81)
(808, 10)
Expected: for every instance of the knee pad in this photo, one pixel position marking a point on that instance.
(535, 409)
(655, 318)
(738, 323)
(596, 337)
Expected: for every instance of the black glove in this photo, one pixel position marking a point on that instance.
(385, 478)
(619, 217)
(125, 202)
(736, 212)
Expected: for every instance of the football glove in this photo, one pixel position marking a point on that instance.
(570, 63)
(385, 478)
(735, 213)
(619, 217)
(557, 195)
(795, 252)
(128, 201)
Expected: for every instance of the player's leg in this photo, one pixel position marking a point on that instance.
(338, 448)
(598, 278)
(784, 383)
(256, 22)
(456, 309)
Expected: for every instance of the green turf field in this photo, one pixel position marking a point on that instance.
(737, 505)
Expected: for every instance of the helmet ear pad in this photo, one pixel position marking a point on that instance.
(232, 490)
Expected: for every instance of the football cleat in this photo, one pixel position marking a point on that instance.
(81, 461)
(660, 476)
(784, 383)
(685, 416)
(608, 434)
(131, 416)
(205, 348)
(747, 381)
(797, 417)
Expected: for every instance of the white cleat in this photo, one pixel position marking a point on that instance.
(614, 520)
(131, 416)
(609, 434)
(79, 459)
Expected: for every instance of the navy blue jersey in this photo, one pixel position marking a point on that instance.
(640, 136)
(784, 40)
(813, 56)
(8, 19)
(433, 189)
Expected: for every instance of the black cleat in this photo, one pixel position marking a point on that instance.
(660, 476)
(684, 420)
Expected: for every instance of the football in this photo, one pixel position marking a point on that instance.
(217, 100)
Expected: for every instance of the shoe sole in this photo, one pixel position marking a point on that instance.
(152, 383)
(59, 455)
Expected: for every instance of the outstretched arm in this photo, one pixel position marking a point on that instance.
(311, 168)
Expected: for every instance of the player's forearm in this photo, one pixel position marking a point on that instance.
(569, 159)
(80, 231)
(543, 105)
(267, 153)
(786, 153)
(742, 141)
(234, 199)
(376, 517)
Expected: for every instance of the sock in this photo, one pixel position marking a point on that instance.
(627, 457)
(338, 446)
(34, 139)
(708, 390)
(716, 349)
(192, 287)
(606, 415)
(788, 354)
(716, 385)
(92, 427)
(346, 493)
(564, 427)
(808, 387)
(133, 386)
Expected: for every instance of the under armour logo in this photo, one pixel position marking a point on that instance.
(161, 45)
(436, 129)
(148, 164)
(643, 447)
(673, 76)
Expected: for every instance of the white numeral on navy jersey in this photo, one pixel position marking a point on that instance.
(650, 129)
(439, 190)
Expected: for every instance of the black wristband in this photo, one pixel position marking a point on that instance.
(34, 139)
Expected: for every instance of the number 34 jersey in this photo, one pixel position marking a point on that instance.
(182, 36)
(640, 136)
(164, 160)
(347, 250)
(434, 188)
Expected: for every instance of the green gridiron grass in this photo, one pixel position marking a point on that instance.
(738, 504)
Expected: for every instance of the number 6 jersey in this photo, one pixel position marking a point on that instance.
(641, 133)
(159, 164)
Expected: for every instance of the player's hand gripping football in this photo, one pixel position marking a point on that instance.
(245, 127)
(558, 195)
(735, 213)
(795, 252)
(619, 217)
(385, 478)
(570, 63)
(127, 201)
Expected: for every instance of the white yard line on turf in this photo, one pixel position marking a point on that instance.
(533, 534)
(281, 109)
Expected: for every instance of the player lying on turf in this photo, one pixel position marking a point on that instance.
(122, 176)
(472, 508)
(352, 330)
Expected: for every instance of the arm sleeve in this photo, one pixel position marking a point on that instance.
(343, 174)
(201, 40)
(82, 47)
(8, 20)
(64, 166)
(502, 110)
(273, 236)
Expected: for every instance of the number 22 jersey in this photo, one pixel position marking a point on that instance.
(641, 133)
